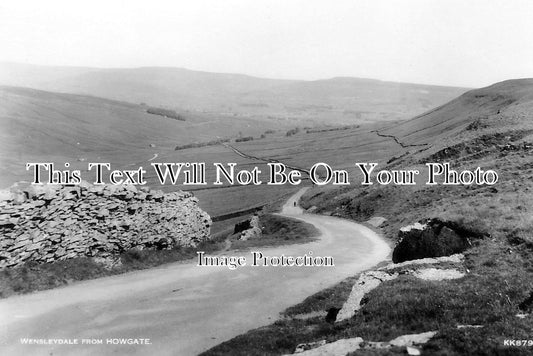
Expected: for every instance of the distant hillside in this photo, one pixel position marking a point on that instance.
(336, 101)
(40, 126)
(503, 105)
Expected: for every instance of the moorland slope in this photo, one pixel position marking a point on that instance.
(495, 107)
(41, 126)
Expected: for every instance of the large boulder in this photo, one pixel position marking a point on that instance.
(431, 238)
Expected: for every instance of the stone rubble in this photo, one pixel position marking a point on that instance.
(308, 346)
(339, 347)
(254, 231)
(413, 351)
(50, 222)
(345, 346)
(413, 339)
(376, 221)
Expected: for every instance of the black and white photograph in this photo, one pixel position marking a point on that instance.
(266, 177)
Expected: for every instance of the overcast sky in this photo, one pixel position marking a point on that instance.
(465, 43)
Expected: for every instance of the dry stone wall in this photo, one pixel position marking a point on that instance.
(45, 223)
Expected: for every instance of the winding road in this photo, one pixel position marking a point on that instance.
(182, 308)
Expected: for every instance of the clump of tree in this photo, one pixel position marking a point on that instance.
(292, 132)
(201, 144)
(244, 139)
(332, 129)
(171, 114)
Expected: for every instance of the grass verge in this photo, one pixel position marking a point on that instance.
(278, 230)
(32, 277)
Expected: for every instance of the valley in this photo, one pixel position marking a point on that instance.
(487, 130)
(48, 127)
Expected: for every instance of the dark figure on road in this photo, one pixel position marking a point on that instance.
(294, 203)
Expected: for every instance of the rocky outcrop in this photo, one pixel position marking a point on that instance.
(254, 230)
(241, 226)
(370, 280)
(431, 238)
(45, 223)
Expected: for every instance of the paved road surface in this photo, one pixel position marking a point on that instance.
(182, 308)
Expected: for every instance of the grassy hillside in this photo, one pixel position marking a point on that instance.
(498, 106)
(490, 128)
(336, 101)
(39, 126)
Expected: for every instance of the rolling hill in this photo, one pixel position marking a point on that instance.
(499, 106)
(330, 101)
(40, 126)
